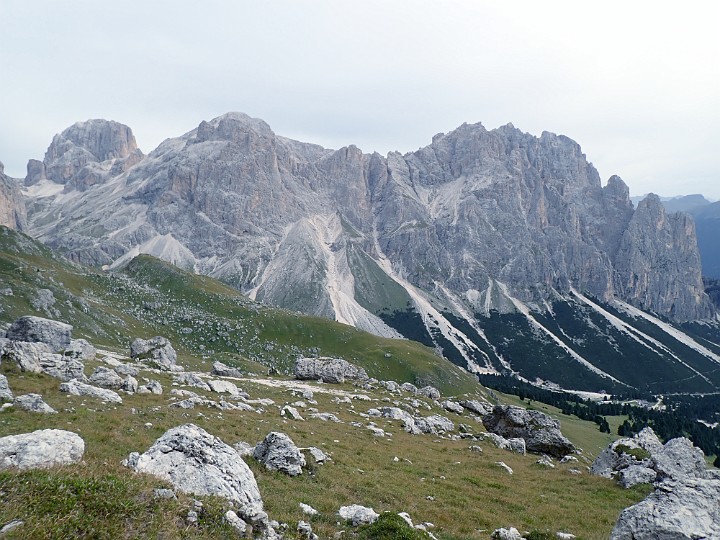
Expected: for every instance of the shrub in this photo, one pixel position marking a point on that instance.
(637, 453)
(390, 526)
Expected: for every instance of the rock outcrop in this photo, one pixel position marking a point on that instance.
(329, 370)
(32, 329)
(684, 503)
(41, 449)
(541, 433)
(196, 462)
(278, 452)
(156, 351)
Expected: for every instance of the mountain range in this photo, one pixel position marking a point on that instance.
(501, 250)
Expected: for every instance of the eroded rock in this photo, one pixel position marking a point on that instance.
(279, 453)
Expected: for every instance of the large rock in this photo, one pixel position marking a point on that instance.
(279, 453)
(675, 511)
(677, 459)
(37, 329)
(481, 408)
(395, 413)
(434, 424)
(106, 378)
(41, 449)
(157, 351)
(33, 403)
(81, 350)
(358, 515)
(224, 370)
(38, 358)
(77, 388)
(329, 370)
(541, 433)
(196, 462)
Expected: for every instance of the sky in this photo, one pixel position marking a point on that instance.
(636, 84)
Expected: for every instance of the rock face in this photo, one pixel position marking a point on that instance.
(157, 351)
(278, 453)
(196, 462)
(540, 432)
(477, 222)
(329, 370)
(12, 204)
(86, 154)
(37, 329)
(638, 252)
(40, 449)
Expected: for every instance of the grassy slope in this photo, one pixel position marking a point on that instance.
(201, 316)
(472, 496)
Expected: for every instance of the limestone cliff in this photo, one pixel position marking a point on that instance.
(12, 204)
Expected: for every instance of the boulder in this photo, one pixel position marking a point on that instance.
(305, 532)
(106, 378)
(26, 355)
(395, 413)
(62, 367)
(290, 412)
(452, 406)
(409, 388)
(157, 351)
(329, 370)
(5, 392)
(676, 510)
(481, 408)
(77, 388)
(429, 392)
(358, 515)
(223, 387)
(434, 424)
(129, 385)
(81, 350)
(126, 369)
(279, 453)
(33, 403)
(151, 387)
(191, 379)
(223, 370)
(55, 334)
(506, 534)
(195, 462)
(41, 449)
(540, 432)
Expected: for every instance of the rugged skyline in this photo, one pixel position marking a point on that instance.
(630, 83)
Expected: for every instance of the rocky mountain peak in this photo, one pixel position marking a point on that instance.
(86, 154)
(103, 139)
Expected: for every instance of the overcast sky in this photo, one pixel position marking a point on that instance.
(636, 83)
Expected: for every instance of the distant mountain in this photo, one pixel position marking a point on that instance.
(500, 249)
(680, 203)
(707, 225)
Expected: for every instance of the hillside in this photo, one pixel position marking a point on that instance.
(204, 318)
